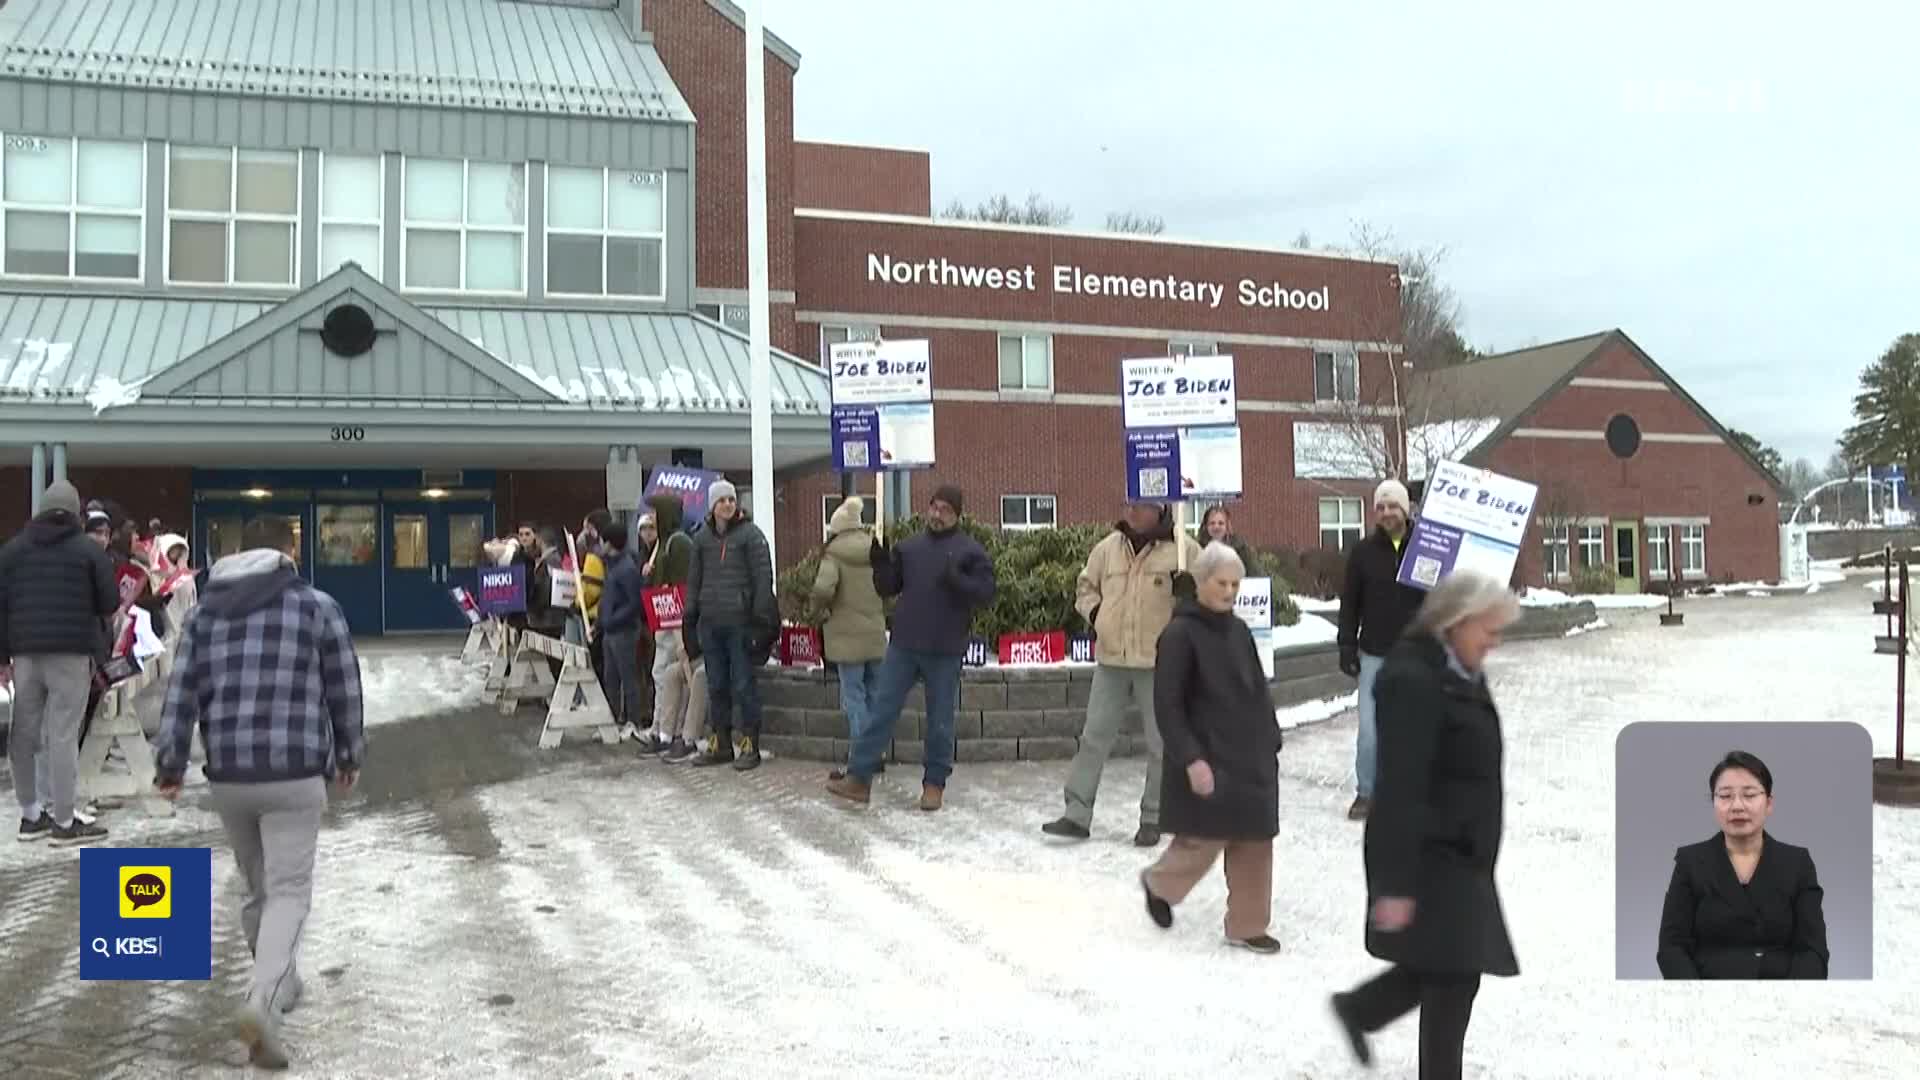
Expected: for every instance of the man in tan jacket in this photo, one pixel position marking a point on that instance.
(1126, 595)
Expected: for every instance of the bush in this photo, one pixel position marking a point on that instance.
(1317, 572)
(1594, 581)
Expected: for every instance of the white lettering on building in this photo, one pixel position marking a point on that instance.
(1070, 280)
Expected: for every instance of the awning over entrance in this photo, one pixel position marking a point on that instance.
(99, 371)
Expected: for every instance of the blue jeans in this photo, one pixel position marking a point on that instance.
(730, 681)
(898, 672)
(1365, 750)
(859, 685)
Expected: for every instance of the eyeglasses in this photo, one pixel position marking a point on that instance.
(1745, 795)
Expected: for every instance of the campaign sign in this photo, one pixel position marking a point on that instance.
(1080, 648)
(880, 372)
(463, 600)
(665, 606)
(1254, 605)
(1047, 647)
(690, 484)
(882, 438)
(146, 914)
(976, 652)
(1177, 391)
(1209, 459)
(1470, 519)
(856, 438)
(1153, 465)
(800, 646)
(503, 589)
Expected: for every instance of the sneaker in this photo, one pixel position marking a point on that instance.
(1147, 836)
(262, 1036)
(646, 744)
(1361, 806)
(677, 751)
(1066, 829)
(37, 829)
(747, 757)
(1259, 943)
(850, 789)
(87, 813)
(80, 832)
(1158, 910)
(1356, 1035)
(932, 797)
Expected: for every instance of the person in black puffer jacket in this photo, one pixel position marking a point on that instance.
(56, 588)
(1374, 610)
(732, 614)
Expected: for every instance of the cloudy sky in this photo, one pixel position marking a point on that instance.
(1738, 191)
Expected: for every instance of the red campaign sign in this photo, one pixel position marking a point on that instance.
(799, 646)
(1049, 647)
(130, 579)
(666, 607)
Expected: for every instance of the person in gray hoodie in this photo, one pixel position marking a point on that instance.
(267, 671)
(731, 609)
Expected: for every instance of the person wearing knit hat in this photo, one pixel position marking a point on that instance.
(853, 633)
(1374, 609)
(732, 613)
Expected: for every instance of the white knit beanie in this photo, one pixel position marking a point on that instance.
(847, 515)
(1393, 493)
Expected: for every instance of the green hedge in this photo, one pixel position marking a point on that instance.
(1038, 572)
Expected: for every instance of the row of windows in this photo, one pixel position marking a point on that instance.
(1588, 544)
(1026, 361)
(77, 208)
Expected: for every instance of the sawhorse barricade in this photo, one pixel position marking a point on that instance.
(116, 725)
(578, 703)
(515, 674)
(490, 642)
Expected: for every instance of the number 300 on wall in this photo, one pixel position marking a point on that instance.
(347, 434)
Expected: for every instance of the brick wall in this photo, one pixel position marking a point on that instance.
(872, 179)
(548, 496)
(146, 493)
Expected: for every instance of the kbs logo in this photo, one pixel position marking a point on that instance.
(146, 892)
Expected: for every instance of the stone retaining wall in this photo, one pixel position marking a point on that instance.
(1036, 713)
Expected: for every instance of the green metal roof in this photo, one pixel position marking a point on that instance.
(114, 351)
(485, 55)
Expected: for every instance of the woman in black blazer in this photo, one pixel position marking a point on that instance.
(1433, 835)
(1742, 905)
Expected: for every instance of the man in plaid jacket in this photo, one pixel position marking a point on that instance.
(266, 668)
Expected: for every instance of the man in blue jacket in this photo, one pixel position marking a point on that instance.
(941, 577)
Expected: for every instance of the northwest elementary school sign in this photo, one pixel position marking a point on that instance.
(1075, 281)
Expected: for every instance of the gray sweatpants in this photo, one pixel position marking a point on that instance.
(273, 828)
(49, 700)
(1114, 688)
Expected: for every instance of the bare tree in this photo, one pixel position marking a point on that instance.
(1558, 505)
(1132, 221)
(1002, 210)
(1304, 241)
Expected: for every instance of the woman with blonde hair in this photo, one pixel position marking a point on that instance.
(1433, 836)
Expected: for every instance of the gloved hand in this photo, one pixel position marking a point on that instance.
(760, 647)
(878, 552)
(690, 634)
(1184, 587)
(1350, 663)
(1093, 621)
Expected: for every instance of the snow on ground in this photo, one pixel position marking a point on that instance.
(1597, 624)
(400, 685)
(1314, 603)
(1310, 630)
(1314, 712)
(1622, 601)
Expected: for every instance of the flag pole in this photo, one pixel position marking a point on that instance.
(759, 345)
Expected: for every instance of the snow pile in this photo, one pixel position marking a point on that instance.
(400, 686)
(1597, 624)
(1761, 593)
(1314, 712)
(108, 392)
(1314, 603)
(1620, 601)
(1310, 630)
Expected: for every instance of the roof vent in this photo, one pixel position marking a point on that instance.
(347, 331)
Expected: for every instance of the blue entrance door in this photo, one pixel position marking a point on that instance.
(347, 560)
(431, 547)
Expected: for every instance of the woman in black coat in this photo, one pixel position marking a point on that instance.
(1220, 793)
(1433, 835)
(1743, 905)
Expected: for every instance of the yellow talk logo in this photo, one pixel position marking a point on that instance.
(146, 892)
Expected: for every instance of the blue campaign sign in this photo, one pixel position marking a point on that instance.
(976, 653)
(503, 589)
(856, 438)
(1153, 465)
(146, 914)
(1080, 648)
(690, 484)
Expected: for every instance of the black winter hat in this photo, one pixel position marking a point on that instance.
(949, 494)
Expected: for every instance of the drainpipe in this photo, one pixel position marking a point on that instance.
(38, 484)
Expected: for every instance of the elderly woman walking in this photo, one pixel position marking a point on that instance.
(1220, 793)
(1434, 834)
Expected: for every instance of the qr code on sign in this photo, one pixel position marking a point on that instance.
(1153, 483)
(856, 455)
(1426, 571)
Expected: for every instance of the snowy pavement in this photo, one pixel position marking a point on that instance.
(486, 910)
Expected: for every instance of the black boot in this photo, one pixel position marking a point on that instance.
(721, 754)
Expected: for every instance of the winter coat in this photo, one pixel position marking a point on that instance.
(1713, 927)
(266, 668)
(730, 582)
(1211, 700)
(940, 578)
(1374, 607)
(620, 609)
(542, 616)
(57, 590)
(672, 554)
(593, 581)
(1126, 593)
(1433, 833)
(856, 625)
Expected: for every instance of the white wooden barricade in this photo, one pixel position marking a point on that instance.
(578, 702)
(526, 676)
(116, 724)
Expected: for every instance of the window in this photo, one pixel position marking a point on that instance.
(1336, 376)
(1026, 362)
(73, 207)
(829, 503)
(1593, 546)
(353, 200)
(831, 335)
(1557, 556)
(465, 225)
(1192, 348)
(232, 216)
(606, 232)
(1028, 512)
(1659, 557)
(1342, 523)
(1693, 550)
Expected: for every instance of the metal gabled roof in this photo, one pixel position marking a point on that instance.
(471, 54)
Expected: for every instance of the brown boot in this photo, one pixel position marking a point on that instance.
(1358, 811)
(850, 789)
(932, 798)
